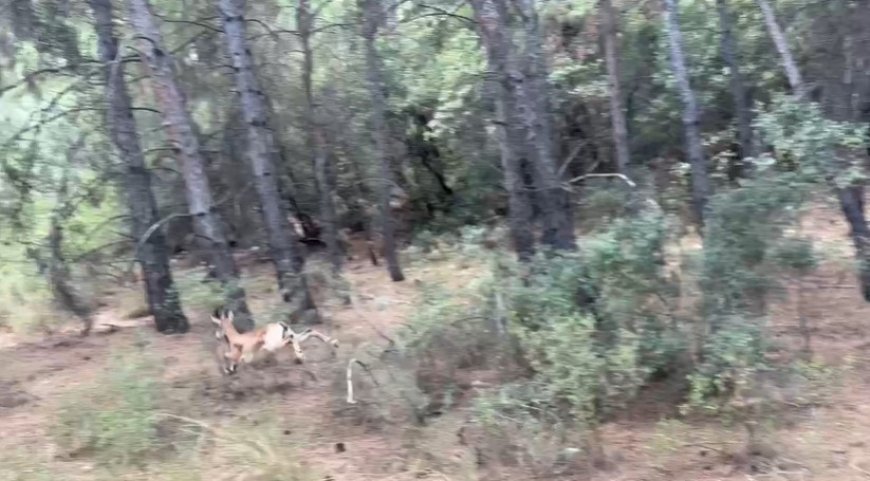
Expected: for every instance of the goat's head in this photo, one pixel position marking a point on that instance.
(218, 318)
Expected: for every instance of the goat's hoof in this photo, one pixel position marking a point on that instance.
(300, 360)
(335, 343)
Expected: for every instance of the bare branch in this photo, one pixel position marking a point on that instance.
(585, 176)
(440, 12)
(32, 75)
(151, 230)
(42, 123)
(198, 23)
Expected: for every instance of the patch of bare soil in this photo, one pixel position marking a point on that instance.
(826, 442)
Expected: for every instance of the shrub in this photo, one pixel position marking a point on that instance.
(591, 327)
(733, 358)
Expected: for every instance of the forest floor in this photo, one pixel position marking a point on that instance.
(273, 421)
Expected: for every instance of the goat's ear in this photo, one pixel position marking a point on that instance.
(215, 320)
(229, 316)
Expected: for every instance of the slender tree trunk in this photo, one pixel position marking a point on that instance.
(317, 138)
(373, 13)
(610, 27)
(207, 222)
(59, 276)
(531, 88)
(509, 133)
(262, 153)
(701, 187)
(851, 198)
(742, 109)
(163, 301)
(781, 43)
(852, 204)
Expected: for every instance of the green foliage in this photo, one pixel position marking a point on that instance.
(443, 330)
(114, 419)
(794, 254)
(590, 324)
(25, 300)
(749, 248)
(600, 205)
(578, 378)
(744, 225)
(197, 294)
(815, 383)
(824, 150)
(579, 334)
(591, 327)
(733, 358)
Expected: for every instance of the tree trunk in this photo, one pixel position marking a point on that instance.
(173, 105)
(852, 204)
(317, 138)
(509, 133)
(372, 12)
(851, 198)
(742, 108)
(531, 89)
(701, 187)
(610, 27)
(781, 43)
(161, 295)
(59, 278)
(261, 155)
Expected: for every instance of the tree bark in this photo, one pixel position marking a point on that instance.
(610, 27)
(373, 13)
(742, 108)
(173, 105)
(531, 89)
(317, 137)
(160, 293)
(509, 132)
(852, 204)
(262, 152)
(701, 187)
(792, 72)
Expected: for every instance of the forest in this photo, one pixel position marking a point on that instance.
(349, 240)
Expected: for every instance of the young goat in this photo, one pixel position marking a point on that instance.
(270, 338)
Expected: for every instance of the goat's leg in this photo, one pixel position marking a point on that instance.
(304, 335)
(234, 356)
(293, 339)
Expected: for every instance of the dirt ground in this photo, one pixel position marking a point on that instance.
(827, 442)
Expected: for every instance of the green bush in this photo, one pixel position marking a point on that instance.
(733, 358)
(589, 328)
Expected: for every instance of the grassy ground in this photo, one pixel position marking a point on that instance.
(128, 403)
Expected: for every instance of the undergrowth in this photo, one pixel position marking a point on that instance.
(116, 419)
(576, 337)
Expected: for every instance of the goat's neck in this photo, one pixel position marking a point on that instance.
(230, 330)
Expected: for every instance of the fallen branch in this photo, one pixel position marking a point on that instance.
(350, 363)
